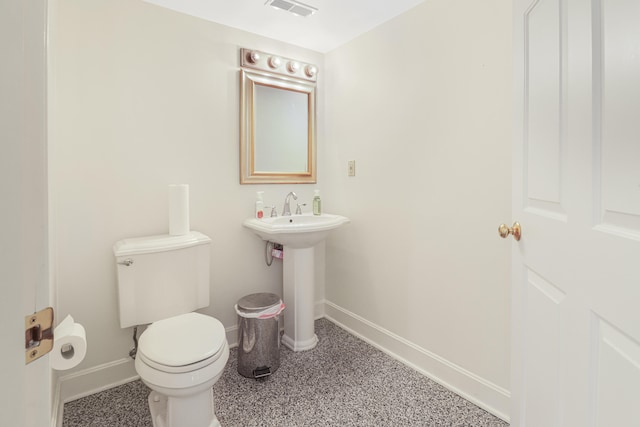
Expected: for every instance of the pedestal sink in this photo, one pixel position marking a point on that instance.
(299, 234)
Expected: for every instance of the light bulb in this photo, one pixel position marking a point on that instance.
(293, 67)
(274, 62)
(310, 70)
(253, 57)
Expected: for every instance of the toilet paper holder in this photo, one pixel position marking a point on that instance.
(38, 334)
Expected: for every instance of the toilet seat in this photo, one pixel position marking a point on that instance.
(183, 343)
(183, 383)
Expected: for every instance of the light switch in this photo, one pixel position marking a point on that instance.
(352, 168)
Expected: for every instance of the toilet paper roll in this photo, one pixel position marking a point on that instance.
(69, 345)
(178, 209)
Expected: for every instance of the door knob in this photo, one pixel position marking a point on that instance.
(516, 231)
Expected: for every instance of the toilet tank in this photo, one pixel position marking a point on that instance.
(161, 276)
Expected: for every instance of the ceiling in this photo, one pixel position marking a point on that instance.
(335, 23)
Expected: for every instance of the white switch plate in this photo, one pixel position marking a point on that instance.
(352, 168)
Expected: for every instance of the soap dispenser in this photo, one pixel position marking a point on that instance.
(259, 205)
(317, 203)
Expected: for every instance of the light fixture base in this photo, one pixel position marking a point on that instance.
(263, 61)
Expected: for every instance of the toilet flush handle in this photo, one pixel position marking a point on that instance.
(126, 262)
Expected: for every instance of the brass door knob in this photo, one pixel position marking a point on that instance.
(516, 231)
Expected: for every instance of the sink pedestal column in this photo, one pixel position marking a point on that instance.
(298, 294)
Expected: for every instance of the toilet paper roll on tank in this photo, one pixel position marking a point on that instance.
(69, 345)
(178, 209)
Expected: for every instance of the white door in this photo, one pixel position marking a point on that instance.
(576, 188)
(25, 390)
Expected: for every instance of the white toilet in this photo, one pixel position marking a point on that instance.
(162, 280)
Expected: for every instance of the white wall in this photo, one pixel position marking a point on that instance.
(142, 97)
(422, 103)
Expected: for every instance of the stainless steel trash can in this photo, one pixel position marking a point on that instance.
(258, 334)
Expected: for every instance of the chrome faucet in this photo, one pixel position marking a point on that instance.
(286, 209)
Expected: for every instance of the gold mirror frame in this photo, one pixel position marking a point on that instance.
(251, 75)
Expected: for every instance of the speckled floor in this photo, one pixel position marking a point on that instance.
(342, 382)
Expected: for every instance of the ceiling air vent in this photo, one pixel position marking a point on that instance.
(292, 6)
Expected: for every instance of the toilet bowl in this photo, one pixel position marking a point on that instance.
(180, 359)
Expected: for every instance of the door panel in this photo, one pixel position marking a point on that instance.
(543, 121)
(617, 58)
(617, 382)
(543, 392)
(576, 193)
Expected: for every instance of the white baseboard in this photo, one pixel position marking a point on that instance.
(89, 381)
(483, 393)
(232, 336)
(318, 309)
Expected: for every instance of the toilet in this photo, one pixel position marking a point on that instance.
(162, 280)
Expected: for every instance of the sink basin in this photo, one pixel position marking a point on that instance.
(296, 231)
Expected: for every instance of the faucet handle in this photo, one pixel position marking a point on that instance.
(299, 209)
(274, 213)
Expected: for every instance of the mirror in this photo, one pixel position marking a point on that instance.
(277, 120)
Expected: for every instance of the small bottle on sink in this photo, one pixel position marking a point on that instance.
(317, 203)
(259, 205)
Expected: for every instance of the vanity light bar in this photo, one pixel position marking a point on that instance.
(293, 6)
(269, 62)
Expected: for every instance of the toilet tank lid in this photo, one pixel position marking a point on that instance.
(160, 243)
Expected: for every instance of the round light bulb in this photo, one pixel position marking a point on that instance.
(253, 57)
(293, 67)
(275, 62)
(310, 70)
